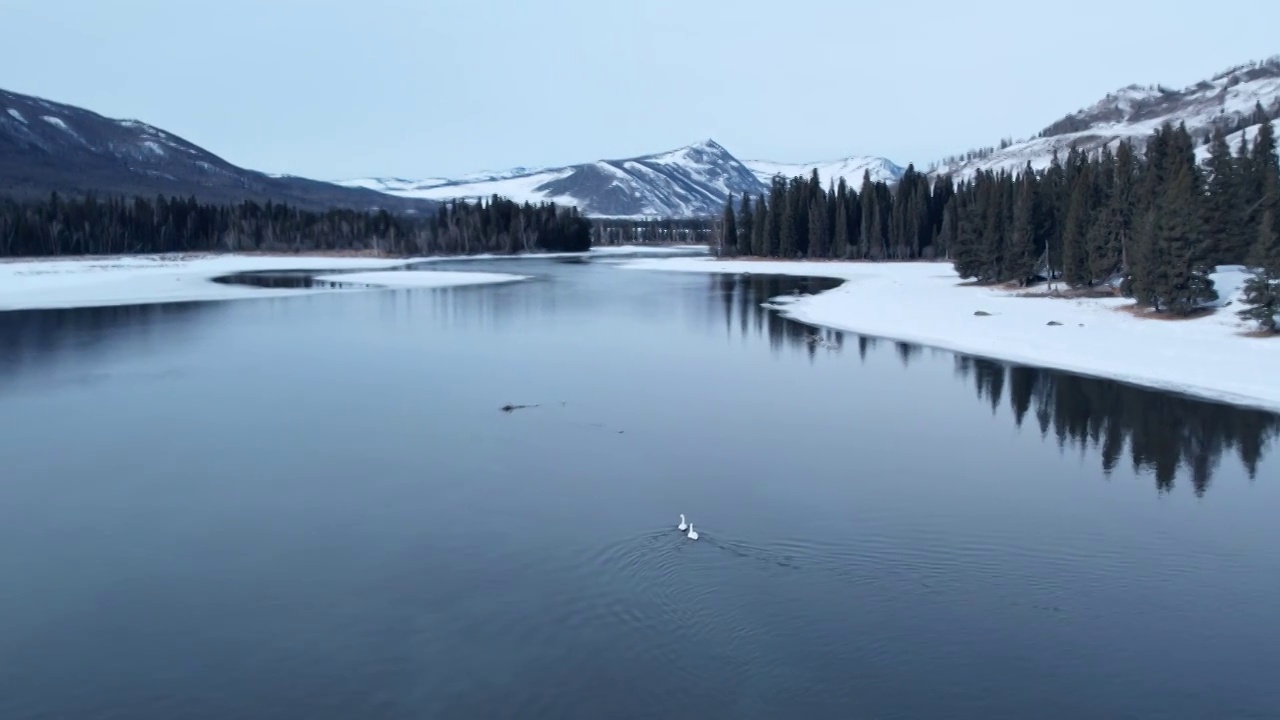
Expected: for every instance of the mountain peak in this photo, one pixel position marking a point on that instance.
(708, 144)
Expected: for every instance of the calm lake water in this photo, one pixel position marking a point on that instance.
(312, 507)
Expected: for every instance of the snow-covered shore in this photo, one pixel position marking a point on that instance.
(134, 280)
(926, 303)
(43, 283)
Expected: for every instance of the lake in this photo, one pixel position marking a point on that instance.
(313, 507)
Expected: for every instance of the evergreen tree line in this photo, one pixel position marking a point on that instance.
(682, 231)
(92, 226)
(798, 218)
(1152, 223)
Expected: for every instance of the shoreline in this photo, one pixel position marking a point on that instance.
(375, 255)
(63, 281)
(925, 303)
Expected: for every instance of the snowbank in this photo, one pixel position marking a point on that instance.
(925, 303)
(131, 280)
(633, 249)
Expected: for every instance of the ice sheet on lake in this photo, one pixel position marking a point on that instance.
(421, 278)
(926, 303)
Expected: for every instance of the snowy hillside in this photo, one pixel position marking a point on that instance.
(53, 147)
(688, 182)
(1134, 112)
(850, 168)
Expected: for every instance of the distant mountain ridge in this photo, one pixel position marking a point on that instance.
(692, 181)
(47, 146)
(1227, 99)
(51, 147)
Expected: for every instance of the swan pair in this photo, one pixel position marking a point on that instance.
(693, 534)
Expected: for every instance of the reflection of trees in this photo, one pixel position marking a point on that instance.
(743, 295)
(1158, 431)
(1162, 432)
(37, 341)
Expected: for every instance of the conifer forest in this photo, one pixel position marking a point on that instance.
(1151, 224)
(91, 226)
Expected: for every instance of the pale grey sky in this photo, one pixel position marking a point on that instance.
(444, 87)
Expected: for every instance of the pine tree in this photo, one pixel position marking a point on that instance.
(1052, 188)
(917, 220)
(1123, 202)
(777, 208)
(1262, 290)
(729, 230)
(948, 232)
(872, 232)
(900, 224)
(746, 227)
(760, 229)
(1253, 177)
(966, 251)
(840, 234)
(1179, 232)
(993, 229)
(1224, 216)
(1021, 255)
(819, 230)
(1103, 235)
(1075, 251)
(788, 242)
(1144, 264)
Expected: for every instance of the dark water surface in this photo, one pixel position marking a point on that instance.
(312, 508)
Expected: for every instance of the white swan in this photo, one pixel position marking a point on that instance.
(683, 525)
(693, 534)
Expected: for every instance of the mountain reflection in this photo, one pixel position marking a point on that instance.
(1157, 432)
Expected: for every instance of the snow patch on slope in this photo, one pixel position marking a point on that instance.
(62, 125)
(830, 171)
(521, 188)
(17, 116)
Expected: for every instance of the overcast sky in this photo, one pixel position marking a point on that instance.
(442, 87)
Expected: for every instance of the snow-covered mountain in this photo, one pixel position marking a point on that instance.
(850, 168)
(689, 182)
(47, 147)
(1135, 112)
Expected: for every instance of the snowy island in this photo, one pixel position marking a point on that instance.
(47, 283)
